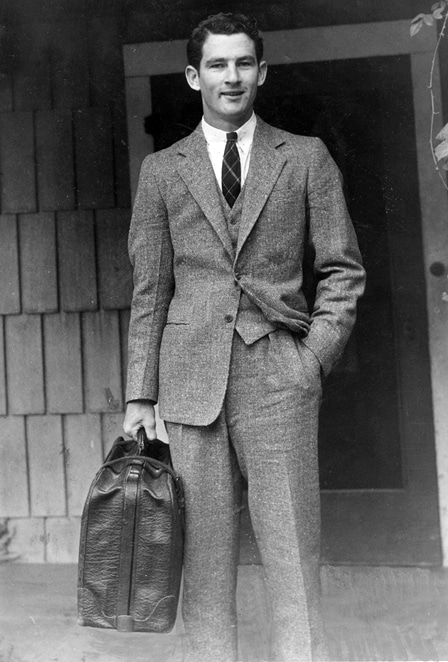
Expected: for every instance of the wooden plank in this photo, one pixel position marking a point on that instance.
(84, 454)
(32, 79)
(14, 500)
(63, 363)
(24, 364)
(38, 263)
(70, 70)
(121, 156)
(434, 208)
(9, 273)
(138, 106)
(94, 158)
(165, 57)
(106, 89)
(111, 428)
(102, 365)
(300, 45)
(115, 274)
(18, 187)
(94, 8)
(142, 27)
(2, 371)
(77, 269)
(46, 466)
(55, 160)
(46, 10)
(6, 101)
(62, 539)
(105, 60)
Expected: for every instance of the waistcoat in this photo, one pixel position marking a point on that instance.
(250, 324)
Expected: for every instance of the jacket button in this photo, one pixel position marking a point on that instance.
(228, 318)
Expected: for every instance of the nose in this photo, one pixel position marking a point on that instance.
(233, 74)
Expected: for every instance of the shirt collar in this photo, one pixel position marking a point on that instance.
(245, 133)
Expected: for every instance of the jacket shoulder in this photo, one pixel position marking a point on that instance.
(310, 144)
(158, 159)
(293, 141)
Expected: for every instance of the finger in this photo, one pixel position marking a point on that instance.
(151, 432)
(131, 429)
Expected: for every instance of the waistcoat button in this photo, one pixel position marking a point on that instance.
(228, 318)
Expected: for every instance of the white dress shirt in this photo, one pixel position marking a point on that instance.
(216, 143)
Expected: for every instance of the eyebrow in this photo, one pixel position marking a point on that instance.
(217, 60)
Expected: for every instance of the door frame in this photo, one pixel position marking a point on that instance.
(141, 61)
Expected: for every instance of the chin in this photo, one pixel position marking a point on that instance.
(236, 112)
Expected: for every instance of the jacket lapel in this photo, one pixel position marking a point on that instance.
(197, 172)
(266, 164)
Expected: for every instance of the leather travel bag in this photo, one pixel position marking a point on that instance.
(131, 544)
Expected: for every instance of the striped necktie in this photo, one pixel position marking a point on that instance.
(231, 169)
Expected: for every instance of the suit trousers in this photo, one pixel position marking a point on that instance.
(267, 434)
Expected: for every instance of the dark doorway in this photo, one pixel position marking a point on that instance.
(377, 463)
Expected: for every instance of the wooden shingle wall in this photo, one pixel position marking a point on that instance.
(65, 282)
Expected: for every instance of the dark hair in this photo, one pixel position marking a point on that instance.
(222, 24)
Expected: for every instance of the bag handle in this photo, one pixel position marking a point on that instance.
(142, 439)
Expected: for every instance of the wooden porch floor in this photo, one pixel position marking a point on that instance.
(386, 614)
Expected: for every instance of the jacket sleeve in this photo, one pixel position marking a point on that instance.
(338, 266)
(151, 255)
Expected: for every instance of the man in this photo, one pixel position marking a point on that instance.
(222, 338)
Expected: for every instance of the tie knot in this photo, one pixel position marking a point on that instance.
(233, 136)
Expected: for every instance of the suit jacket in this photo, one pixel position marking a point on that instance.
(188, 278)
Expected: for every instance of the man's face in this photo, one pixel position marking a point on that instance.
(228, 78)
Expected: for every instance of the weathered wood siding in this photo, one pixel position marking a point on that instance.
(65, 276)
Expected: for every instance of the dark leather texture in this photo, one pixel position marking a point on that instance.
(131, 544)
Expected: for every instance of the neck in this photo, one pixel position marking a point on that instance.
(227, 126)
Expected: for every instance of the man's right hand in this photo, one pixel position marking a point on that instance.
(140, 414)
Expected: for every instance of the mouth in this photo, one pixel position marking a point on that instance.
(232, 94)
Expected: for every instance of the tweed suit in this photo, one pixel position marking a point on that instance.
(243, 406)
(185, 267)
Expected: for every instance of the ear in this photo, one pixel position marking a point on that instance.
(192, 76)
(262, 71)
